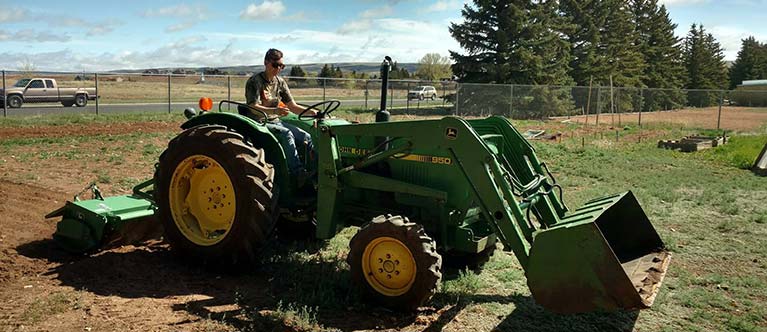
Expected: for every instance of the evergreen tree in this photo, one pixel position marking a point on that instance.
(751, 63)
(661, 50)
(704, 63)
(297, 71)
(623, 59)
(338, 73)
(511, 42)
(604, 40)
(325, 71)
(517, 42)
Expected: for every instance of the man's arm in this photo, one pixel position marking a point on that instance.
(281, 111)
(298, 109)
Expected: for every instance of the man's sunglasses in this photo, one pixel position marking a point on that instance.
(276, 65)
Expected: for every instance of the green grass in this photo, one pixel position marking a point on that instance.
(709, 211)
(740, 151)
(52, 304)
(75, 119)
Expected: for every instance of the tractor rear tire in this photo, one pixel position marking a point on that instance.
(395, 263)
(201, 223)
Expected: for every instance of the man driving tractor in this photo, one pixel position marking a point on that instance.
(269, 93)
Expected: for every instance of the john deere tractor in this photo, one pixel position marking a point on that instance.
(421, 191)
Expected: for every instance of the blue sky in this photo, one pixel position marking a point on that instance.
(106, 35)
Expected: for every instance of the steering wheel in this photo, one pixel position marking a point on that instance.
(323, 108)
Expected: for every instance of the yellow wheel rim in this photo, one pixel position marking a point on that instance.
(389, 266)
(202, 200)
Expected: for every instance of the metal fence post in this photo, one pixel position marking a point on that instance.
(323, 88)
(228, 91)
(96, 78)
(641, 106)
(444, 88)
(511, 101)
(407, 101)
(5, 98)
(168, 93)
(366, 93)
(599, 103)
(457, 94)
(391, 95)
(719, 116)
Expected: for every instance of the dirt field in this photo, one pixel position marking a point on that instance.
(733, 118)
(145, 288)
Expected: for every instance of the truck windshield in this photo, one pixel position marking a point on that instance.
(22, 83)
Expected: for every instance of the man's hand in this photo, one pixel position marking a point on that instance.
(283, 111)
(311, 112)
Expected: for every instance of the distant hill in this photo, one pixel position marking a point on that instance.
(372, 68)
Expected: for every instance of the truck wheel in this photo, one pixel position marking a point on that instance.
(433, 97)
(420, 97)
(395, 263)
(15, 101)
(215, 196)
(81, 100)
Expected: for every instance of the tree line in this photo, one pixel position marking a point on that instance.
(622, 43)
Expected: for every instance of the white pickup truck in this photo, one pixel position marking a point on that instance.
(45, 90)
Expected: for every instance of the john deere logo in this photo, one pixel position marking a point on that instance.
(451, 133)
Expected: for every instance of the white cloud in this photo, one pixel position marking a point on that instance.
(365, 20)
(680, 2)
(444, 5)
(29, 35)
(8, 15)
(377, 12)
(265, 11)
(284, 39)
(356, 26)
(198, 12)
(730, 39)
(180, 26)
(92, 28)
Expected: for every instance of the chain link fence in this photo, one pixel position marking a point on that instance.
(614, 107)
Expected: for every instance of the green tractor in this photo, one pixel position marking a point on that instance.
(419, 190)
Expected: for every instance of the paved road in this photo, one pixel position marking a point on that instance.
(44, 109)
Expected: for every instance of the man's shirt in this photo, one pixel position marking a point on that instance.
(267, 93)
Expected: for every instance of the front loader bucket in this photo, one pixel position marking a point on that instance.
(604, 256)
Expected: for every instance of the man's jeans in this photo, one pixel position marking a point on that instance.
(287, 135)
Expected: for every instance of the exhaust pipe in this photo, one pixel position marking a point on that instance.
(383, 115)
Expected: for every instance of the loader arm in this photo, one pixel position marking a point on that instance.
(603, 256)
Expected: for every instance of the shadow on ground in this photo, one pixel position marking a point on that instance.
(322, 284)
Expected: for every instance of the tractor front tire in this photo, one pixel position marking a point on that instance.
(395, 263)
(215, 196)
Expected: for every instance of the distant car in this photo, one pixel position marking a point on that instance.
(45, 90)
(422, 92)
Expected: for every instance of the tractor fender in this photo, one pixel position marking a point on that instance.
(257, 133)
